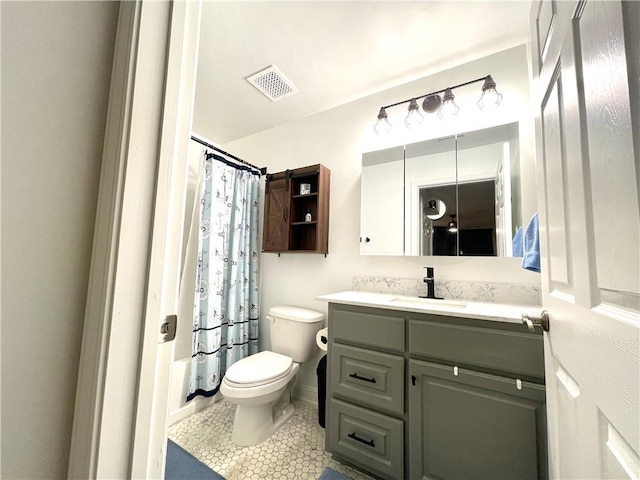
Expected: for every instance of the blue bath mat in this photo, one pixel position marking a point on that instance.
(331, 474)
(181, 465)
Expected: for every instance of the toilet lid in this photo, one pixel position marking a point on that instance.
(258, 369)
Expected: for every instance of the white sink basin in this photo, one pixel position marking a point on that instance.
(426, 302)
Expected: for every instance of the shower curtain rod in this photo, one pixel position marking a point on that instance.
(262, 170)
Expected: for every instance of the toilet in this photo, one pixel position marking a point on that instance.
(260, 385)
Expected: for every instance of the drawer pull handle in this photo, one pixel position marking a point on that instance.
(364, 379)
(369, 443)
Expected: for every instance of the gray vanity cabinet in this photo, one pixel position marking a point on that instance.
(365, 390)
(471, 425)
(476, 400)
(421, 396)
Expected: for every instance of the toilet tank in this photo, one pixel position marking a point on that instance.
(293, 331)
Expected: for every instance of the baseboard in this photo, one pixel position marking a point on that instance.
(194, 406)
(306, 393)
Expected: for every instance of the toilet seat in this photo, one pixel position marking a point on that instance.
(259, 369)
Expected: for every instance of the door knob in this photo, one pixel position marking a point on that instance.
(531, 321)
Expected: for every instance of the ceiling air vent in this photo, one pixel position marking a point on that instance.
(272, 83)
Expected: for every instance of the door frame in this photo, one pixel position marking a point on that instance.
(120, 411)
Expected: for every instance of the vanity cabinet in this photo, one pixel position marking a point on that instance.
(365, 390)
(474, 425)
(425, 396)
(295, 219)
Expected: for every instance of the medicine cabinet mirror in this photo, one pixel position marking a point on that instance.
(453, 196)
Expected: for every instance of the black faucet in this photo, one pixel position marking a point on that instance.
(431, 285)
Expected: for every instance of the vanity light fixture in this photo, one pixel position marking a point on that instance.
(442, 102)
(453, 225)
(382, 126)
(449, 107)
(490, 97)
(414, 117)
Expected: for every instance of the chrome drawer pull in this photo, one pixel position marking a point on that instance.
(369, 443)
(364, 379)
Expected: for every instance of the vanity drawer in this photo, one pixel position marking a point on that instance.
(368, 378)
(368, 329)
(518, 353)
(368, 439)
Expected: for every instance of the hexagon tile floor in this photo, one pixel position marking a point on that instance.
(295, 452)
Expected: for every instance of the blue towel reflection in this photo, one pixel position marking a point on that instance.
(517, 243)
(531, 245)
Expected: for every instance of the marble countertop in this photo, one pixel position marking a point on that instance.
(499, 312)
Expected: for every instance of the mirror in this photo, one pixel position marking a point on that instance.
(382, 192)
(460, 196)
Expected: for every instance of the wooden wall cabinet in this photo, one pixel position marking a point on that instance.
(286, 207)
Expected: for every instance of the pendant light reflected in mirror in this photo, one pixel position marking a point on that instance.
(453, 225)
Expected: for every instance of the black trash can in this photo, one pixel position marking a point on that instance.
(321, 371)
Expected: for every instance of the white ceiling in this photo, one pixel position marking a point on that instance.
(334, 52)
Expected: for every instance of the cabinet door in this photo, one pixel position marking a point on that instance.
(276, 218)
(470, 425)
(381, 218)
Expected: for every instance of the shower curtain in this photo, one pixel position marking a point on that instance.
(225, 313)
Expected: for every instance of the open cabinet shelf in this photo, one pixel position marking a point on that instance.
(290, 197)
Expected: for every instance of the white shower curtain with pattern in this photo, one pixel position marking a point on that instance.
(226, 311)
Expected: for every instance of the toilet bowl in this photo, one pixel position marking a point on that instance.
(260, 385)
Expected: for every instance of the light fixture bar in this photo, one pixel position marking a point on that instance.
(445, 105)
(482, 79)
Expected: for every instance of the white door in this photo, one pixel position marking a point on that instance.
(504, 228)
(120, 419)
(586, 108)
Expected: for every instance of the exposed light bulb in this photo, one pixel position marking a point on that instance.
(449, 107)
(382, 126)
(414, 117)
(490, 98)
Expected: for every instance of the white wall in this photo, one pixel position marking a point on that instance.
(56, 67)
(337, 138)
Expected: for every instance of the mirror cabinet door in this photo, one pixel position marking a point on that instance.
(488, 168)
(457, 195)
(382, 202)
(431, 198)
